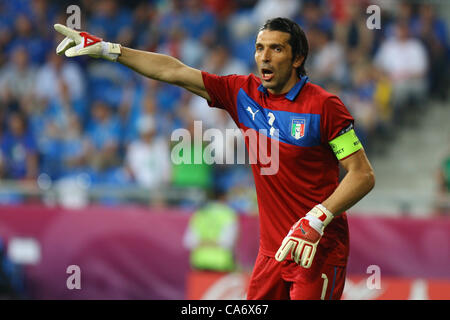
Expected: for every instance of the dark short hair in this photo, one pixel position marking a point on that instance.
(297, 40)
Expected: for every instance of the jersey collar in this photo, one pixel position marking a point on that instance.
(293, 93)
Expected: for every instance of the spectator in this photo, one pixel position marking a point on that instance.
(352, 33)
(361, 102)
(199, 23)
(189, 50)
(221, 62)
(328, 63)
(147, 159)
(220, 9)
(266, 9)
(112, 22)
(211, 236)
(432, 31)
(169, 19)
(74, 148)
(55, 72)
(12, 276)
(49, 147)
(189, 170)
(443, 188)
(104, 83)
(25, 36)
(404, 60)
(43, 15)
(103, 138)
(17, 79)
(18, 157)
(145, 26)
(401, 11)
(220, 122)
(312, 16)
(242, 29)
(382, 98)
(147, 107)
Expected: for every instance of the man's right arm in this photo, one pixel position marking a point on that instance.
(164, 68)
(153, 65)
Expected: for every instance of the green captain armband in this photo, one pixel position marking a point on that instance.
(345, 144)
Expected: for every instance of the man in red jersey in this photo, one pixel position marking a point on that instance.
(304, 234)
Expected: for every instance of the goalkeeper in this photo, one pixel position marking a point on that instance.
(304, 240)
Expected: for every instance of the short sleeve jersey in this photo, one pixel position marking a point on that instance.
(301, 122)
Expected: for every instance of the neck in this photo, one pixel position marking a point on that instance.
(287, 86)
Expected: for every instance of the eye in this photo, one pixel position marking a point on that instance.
(277, 49)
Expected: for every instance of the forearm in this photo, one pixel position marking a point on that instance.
(164, 68)
(355, 185)
(152, 65)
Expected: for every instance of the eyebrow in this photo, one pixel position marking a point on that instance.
(271, 45)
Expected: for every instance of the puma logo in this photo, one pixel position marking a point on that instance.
(301, 228)
(249, 109)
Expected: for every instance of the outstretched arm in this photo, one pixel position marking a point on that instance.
(164, 68)
(152, 65)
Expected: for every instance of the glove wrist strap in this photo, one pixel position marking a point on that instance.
(322, 213)
(114, 48)
(111, 51)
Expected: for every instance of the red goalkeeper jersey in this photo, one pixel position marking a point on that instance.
(302, 122)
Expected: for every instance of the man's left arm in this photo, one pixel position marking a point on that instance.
(357, 182)
(304, 236)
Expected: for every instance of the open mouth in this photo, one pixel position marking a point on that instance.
(266, 74)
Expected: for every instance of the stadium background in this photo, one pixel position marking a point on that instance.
(73, 192)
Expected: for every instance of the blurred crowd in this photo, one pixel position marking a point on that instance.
(61, 118)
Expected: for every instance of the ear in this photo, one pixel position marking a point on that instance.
(298, 61)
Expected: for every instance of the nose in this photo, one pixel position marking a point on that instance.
(265, 55)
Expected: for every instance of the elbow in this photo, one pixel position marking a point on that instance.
(370, 180)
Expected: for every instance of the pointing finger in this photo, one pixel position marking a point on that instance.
(68, 32)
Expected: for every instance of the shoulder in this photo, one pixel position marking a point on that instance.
(415, 44)
(249, 79)
(250, 82)
(231, 78)
(321, 100)
(136, 147)
(254, 79)
(160, 143)
(387, 46)
(316, 93)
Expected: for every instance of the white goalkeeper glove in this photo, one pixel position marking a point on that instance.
(82, 43)
(304, 236)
